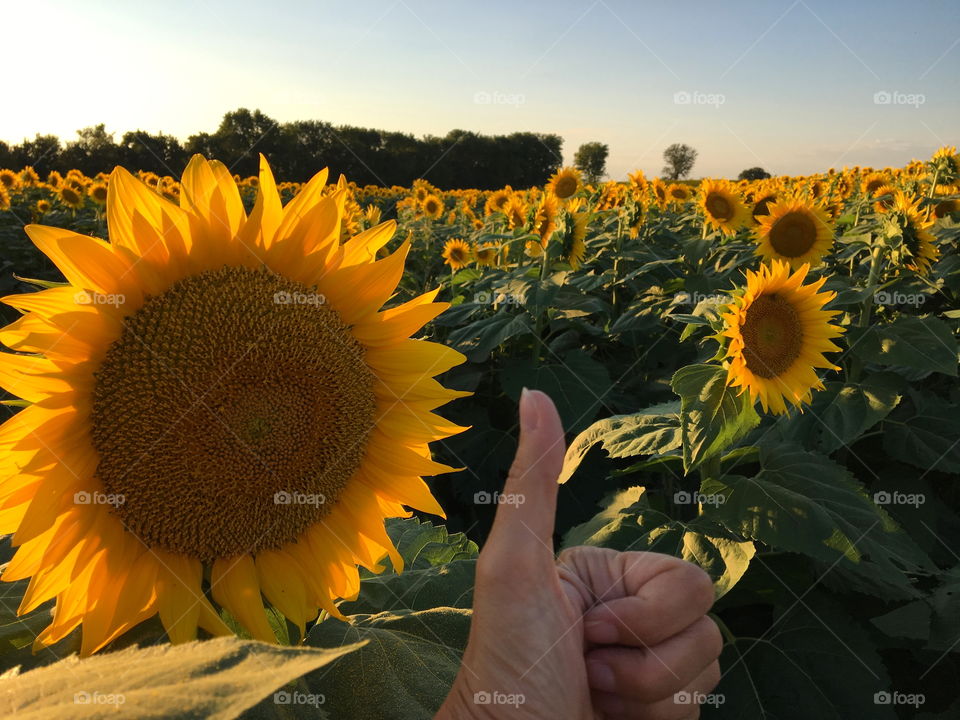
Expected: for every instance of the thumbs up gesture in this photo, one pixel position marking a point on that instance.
(593, 633)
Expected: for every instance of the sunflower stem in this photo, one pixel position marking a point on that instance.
(933, 185)
(539, 311)
(866, 307)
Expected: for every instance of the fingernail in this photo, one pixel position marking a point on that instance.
(600, 633)
(529, 414)
(600, 676)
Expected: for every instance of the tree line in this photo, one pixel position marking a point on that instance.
(296, 150)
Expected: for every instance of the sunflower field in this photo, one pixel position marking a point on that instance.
(757, 376)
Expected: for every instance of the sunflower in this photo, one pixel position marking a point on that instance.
(43, 206)
(9, 179)
(217, 410)
(516, 212)
(564, 183)
(573, 247)
(371, 215)
(778, 333)
(432, 207)
(638, 183)
(884, 198)
(795, 231)
(659, 192)
(54, 179)
(486, 255)
(679, 193)
(4, 198)
(497, 202)
(70, 196)
(946, 207)
(545, 219)
(918, 244)
(457, 253)
(98, 193)
(873, 182)
(722, 206)
(761, 203)
(29, 177)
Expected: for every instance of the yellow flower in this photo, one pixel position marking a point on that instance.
(457, 253)
(574, 246)
(9, 180)
(778, 333)
(98, 193)
(432, 207)
(679, 193)
(486, 255)
(795, 231)
(919, 251)
(564, 183)
(545, 220)
(70, 196)
(43, 206)
(722, 206)
(873, 182)
(218, 408)
(497, 202)
(516, 212)
(4, 198)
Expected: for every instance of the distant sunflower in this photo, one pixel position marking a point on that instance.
(217, 408)
(457, 253)
(497, 202)
(722, 206)
(516, 212)
(545, 219)
(43, 206)
(795, 231)
(98, 193)
(9, 179)
(778, 334)
(29, 177)
(70, 196)
(659, 192)
(761, 203)
(432, 207)
(679, 193)
(564, 183)
(873, 182)
(574, 247)
(920, 251)
(884, 198)
(54, 179)
(4, 198)
(486, 255)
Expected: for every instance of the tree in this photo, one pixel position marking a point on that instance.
(754, 173)
(680, 159)
(161, 154)
(591, 160)
(93, 151)
(43, 153)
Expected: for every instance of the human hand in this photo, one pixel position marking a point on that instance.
(594, 633)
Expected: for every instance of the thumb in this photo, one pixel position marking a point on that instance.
(525, 517)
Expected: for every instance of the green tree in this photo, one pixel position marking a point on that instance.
(754, 173)
(679, 159)
(591, 160)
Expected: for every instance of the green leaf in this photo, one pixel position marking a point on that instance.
(911, 342)
(478, 338)
(713, 415)
(627, 522)
(814, 661)
(405, 670)
(576, 382)
(218, 678)
(925, 433)
(653, 431)
(805, 503)
(842, 412)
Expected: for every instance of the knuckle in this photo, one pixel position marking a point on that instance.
(700, 585)
(713, 639)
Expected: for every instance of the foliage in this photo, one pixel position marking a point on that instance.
(591, 160)
(679, 159)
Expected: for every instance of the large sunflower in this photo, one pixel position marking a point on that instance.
(795, 231)
(564, 183)
(778, 333)
(218, 410)
(722, 206)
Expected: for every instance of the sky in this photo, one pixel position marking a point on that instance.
(794, 86)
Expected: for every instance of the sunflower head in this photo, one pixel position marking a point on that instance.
(545, 219)
(917, 249)
(43, 206)
(432, 207)
(873, 182)
(794, 231)
(497, 202)
(564, 183)
(98, 193)
(9, 180)
(679, 193)
(722, 207)
(70, 196)
(486, 255)
(217, 408)
(778, 334)
(29, 177)
(516, 212)
(4, 198)
(457, 253)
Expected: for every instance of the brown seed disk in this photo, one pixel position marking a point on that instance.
(719, 207)
(772, 336)
(230, 413)
(793, 234)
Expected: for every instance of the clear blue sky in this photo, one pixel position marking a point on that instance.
(789, 85)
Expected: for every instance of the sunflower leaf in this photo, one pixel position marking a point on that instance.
(925, 344)
(218, 678)
(713, 415)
